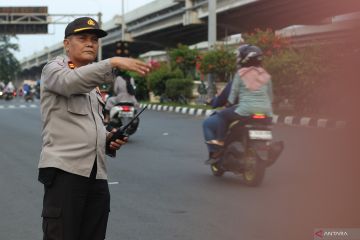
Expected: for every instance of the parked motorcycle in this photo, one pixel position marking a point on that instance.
(248, 150)
(121, 114)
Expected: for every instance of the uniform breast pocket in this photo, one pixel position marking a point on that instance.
(79, 104)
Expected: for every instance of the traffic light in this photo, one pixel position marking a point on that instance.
(122, 49)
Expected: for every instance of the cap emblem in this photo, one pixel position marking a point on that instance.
(91, 22)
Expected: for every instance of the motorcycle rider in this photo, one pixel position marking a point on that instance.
(252, 86)
(124, 91)
(211, 122)
(9, 90)
(9, 87)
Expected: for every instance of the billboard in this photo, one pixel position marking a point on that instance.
(23, 20)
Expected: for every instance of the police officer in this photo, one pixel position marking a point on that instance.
(72, 164)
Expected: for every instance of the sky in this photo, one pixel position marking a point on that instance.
(30, 44)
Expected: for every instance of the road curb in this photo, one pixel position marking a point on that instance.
(277, 119)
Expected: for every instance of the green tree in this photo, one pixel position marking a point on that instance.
(157, 79)
(220, 61)
(179, 88)
(9, 65)
(184, 58)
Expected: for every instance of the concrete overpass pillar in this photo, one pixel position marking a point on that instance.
(211, 42)
(190, 16)
(189, 3)
(212, 23)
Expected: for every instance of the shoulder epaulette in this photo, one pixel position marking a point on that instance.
(71, 65)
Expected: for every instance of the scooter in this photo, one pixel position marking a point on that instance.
(29, 96)
(248, 150)
(121, 114)
(9, 95)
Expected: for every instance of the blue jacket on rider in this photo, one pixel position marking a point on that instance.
(222, 98)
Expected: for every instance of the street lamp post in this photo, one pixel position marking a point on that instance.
(211, 43)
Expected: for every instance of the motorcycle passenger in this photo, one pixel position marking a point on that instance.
(252, 86)
(124, 91)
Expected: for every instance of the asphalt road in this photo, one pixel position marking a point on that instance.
(161, 190)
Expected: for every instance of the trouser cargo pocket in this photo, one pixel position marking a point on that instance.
(52, 223)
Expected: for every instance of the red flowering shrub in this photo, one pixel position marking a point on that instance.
(267, 41)
(220, 61)
(298, 75)
(184, 58)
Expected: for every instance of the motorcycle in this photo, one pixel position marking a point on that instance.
(248, 150)
(121, 114)
(29, 96)
(9, 95)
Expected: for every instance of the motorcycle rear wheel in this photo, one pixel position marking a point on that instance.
(254, 174)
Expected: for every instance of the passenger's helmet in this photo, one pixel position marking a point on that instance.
(248, 55)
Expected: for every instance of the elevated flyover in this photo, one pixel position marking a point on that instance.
(165, 23)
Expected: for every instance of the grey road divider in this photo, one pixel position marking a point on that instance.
(277, 119)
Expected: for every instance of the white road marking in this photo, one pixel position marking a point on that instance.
(18, 106)
(113, 183)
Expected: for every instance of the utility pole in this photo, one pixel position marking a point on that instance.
(99, 41)
(123, 25)
(212, 23)
(211, 43)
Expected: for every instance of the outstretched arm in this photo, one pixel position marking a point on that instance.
(130, 64)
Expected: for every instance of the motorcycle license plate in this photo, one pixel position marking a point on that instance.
(127, 114)
(260, 134)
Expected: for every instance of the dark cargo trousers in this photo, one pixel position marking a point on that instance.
(74, 207)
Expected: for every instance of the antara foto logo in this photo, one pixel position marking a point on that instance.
(327, 234)
(319, 234)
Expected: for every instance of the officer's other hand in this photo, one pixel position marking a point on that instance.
(118, 143)
(130, 64)
(115, 145)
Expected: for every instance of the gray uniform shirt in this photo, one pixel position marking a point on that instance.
(72, 120)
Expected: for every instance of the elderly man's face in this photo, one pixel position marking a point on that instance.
(81, 48)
